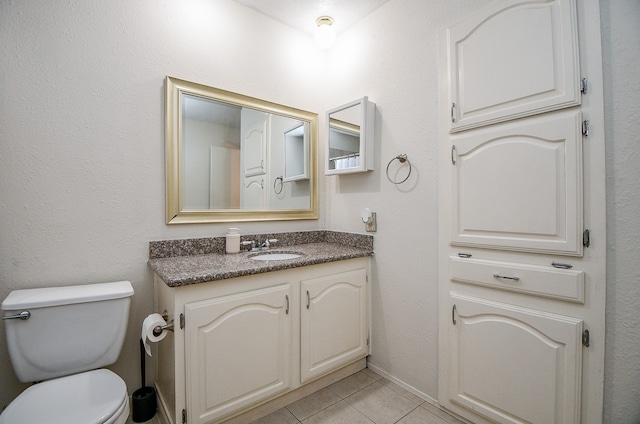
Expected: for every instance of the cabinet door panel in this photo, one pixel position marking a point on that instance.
(515, 365)
(334, 322)
(254, 149)
(238, 351)
(494, 50)
(519, 186)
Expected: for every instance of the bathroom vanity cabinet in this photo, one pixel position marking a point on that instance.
(242, 342)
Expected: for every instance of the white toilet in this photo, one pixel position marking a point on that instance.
(60, 337)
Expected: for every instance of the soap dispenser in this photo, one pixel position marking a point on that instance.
(233, 240)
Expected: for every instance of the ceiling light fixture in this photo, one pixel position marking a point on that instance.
(325, 33)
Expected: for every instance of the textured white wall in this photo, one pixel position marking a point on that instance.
(81, 155)
(621, 57)
(82, 134)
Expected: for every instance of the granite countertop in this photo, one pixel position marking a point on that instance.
(177, 271)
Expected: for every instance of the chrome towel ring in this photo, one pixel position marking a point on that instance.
(402, 158)
(275, 183)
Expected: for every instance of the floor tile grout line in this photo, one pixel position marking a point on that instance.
(402, 417)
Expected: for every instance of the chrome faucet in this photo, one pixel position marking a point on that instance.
(256, 245)
(267, 243)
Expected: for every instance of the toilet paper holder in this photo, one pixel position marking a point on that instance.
(157, 330)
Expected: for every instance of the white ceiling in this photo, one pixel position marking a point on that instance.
(302, 14)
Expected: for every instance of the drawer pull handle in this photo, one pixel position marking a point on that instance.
(506, 278)
(561, 266)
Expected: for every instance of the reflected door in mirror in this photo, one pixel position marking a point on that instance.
(228, 155)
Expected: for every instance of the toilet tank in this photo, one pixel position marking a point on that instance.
(69, 330)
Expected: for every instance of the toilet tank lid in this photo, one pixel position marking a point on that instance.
(54, 296)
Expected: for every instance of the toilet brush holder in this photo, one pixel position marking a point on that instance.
(143, 401)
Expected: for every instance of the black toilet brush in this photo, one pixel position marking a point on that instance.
(144, 402)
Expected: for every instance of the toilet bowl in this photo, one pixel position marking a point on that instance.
(62, 337)
(93, 397)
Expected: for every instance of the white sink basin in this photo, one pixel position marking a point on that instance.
(274, 256)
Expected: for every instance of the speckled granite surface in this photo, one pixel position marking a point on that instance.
(192, 261)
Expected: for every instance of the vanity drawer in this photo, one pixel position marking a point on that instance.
(536, 280)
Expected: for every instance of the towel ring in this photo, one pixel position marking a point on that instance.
(402, 158)
(281, 185)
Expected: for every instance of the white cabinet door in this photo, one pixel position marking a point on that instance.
(515, 365)
(518, 185)
(513, 59)
(254, 193)
(254, 148)
(237, 351)
(334, 322)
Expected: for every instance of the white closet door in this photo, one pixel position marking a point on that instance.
(515, 365)
(513, 59)
(518, 186)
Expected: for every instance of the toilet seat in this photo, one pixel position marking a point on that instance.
(93, 397)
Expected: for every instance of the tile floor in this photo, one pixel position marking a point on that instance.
(363, 398)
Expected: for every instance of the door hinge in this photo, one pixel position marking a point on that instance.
(184, 416)
(583, 86)
(586, 238)
(585, 338)
(585, 128)
(367, 340)
(181, 320)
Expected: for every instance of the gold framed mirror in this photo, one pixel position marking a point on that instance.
(226, 157)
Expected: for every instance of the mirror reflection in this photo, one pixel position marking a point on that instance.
(350, 132)
(235, 158)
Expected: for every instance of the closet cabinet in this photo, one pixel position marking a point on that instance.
(522, 283)
(248, 340)
(513, 59)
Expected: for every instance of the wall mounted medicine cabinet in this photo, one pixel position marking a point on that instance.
(351, 135)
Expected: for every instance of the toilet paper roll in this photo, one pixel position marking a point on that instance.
(149, 323)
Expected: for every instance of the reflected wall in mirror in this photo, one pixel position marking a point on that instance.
(350, 146)
(231, 157)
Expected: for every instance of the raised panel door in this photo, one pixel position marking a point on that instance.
(254, 148)
(237, 351)
(513, 59)
(518, 186)
(334, 322)
(513, 364)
